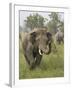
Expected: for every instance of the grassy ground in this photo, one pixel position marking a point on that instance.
(51, 65)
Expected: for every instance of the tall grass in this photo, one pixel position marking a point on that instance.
(52, 65)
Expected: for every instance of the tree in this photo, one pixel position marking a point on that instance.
(55, 23)
(61, 27)
(35, 21)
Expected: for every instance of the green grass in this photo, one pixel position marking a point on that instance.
(52, 65)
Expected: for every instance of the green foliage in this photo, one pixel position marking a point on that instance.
(51, 65)
(55, 23)
(34, 21)
(61, 26)
(54, 17)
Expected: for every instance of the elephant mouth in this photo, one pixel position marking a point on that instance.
(40, 52)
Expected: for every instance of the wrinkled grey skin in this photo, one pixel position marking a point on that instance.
(35, 44)
(59, 36)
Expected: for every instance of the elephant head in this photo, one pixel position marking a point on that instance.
(41, 39)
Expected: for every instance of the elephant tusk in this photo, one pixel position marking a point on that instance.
(40, 52)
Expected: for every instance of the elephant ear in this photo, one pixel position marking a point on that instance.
(49, 35)
(33, 37)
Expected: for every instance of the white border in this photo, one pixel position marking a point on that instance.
(15, 47)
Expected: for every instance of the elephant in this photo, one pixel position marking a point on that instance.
(59, 37)
(36, 43)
